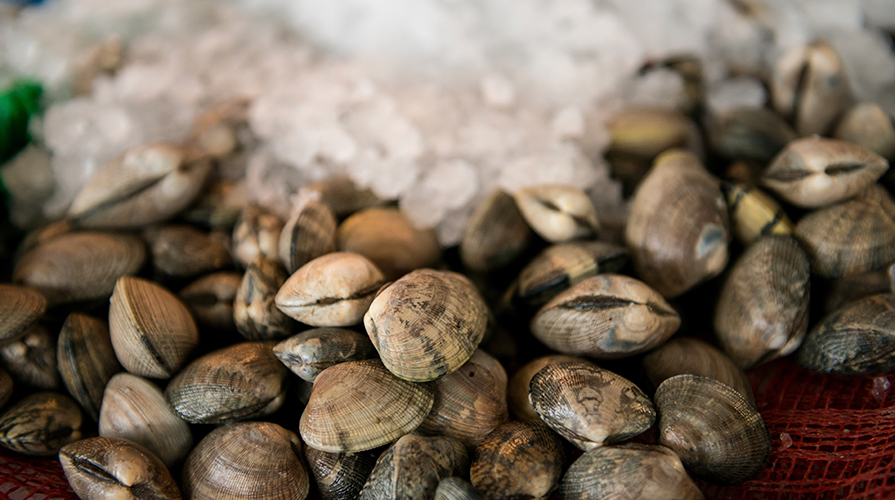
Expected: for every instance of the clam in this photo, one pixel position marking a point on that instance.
(20, 307)
(560, 266)
(413, 466)
(219, 206)
(518, 460)
(495, 233)
(387, 237)
(359, 405)
(42, 235)
(340, 475)
(628, 472)
(342, 195)
(517, 389)
(454, 488)
(210, 299)
(239, 382)
(333, 290)
(469, 403)
(558, 213)
(246, 460)
(716, 432)
(40, 424)
(183, 251)
(677, 229)
(762, 312)
(86, 360)
(101, 467)
(857, 286)
(857, 339)
(77, 267)
(815, 171)
(869, 126)
(754, 214)
(309, 233)
(152, 331)
(255, 312)
(426, 324)
(145, 185)
(588, 405)
(852, 237)
(809, 87)
(755, 134)
(134, 408)
(257, 232)
(312, 351)
(31, 358)
(607, 316)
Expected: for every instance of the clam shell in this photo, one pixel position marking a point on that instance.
(590, 406)
(716, 432)
(677, 228)
(495, 233)
(210, 299)
(454, 488)
(183, 251)
(558, 213)
(754, 214)
(103, 467)
(77, 267)
(517, 389)
(359, 405)
(606, 316)
(518, 460)
(152, 332)
(257, 232)
(413, 467)
(31, 358)
(426, 324)
(869, 126)
(310, 352)
(255, 312)
(134, 408)
(249, 460)
(762, 312)
(20, 307)
(40, 424)
(239, 382)
(756, 134)
(342, 195)
(340, 475)
(309, 233)
(86, 360)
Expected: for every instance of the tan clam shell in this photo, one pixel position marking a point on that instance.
(340, 475)
(469, 403)
(257, 232)
(248, 460)
(413, 466)
(31, 358)
(255, 312)
(558, 213)
(210, 299)
(239, 382)
(333, 290)
(454, 488)
(309, 233)
(517, 389)
(426, 324)
(754, 214)
(590, 406)
(152, 331)
(40, 424)
(86, 360)
(134, 408)
(77, 267)
(359, 405)
(312, 351)
(869, 126)
(606, 316)
(20, 307)
(677, 228)
(495, 233)
(180, 251)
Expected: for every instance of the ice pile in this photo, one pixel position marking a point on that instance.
(430, 102)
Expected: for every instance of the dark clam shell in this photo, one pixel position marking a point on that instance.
(340, 475)
(413, 467)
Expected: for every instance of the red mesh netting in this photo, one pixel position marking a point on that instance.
(842, 434)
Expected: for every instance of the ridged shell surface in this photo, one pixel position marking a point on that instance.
(413, 467)
(19, 308)
(495, 234)
(312, 351)
(517, 389)
(308, 234)
(40, 424)
(255, 312)
(86, 360)
(340, 475)
(558, 267)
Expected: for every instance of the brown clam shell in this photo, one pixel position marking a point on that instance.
(86, 360)
(20, 307)
(210, 299)
(309, 233)
(31, 358)
(869, 126)
(517, 389)
(180, 251)
(756, 134)
(495, 233)
(340, 475)
(312, 351)
(413, 467)
(40, 424)
(255, 312)
(257, 232)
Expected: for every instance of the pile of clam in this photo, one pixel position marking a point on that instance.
(341, 353)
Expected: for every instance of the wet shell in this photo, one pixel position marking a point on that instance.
(716, 432)
(558, 267)
(495, 233)
(77, 267)
(868, 126)
(333, 290)
(558, 213)
(426, 324)
(684, 355)
(851, 237)
(517, 390)
(858, 339)
(86, 360)
(607, 316)
(257, 232)
(184, 251)
(387, 237)
(134, 408)
(454, 488)
(469, 403)
(31, 359)
(40, 424)
(340, 475)
(101, 467)
(239, 382)
(342, 195)
(629, 472)
(250, 460)
(590, 406)
(310, 352)
(677, 229)
(762, 312)
(309, 233)
(255, 312)
(754, 214)
(518, 460)
(756, 134)
(146, 184)
(210, 299)
(152, 331)
(413, 467)
(20, 307)
(815, 171)
(359, 405)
